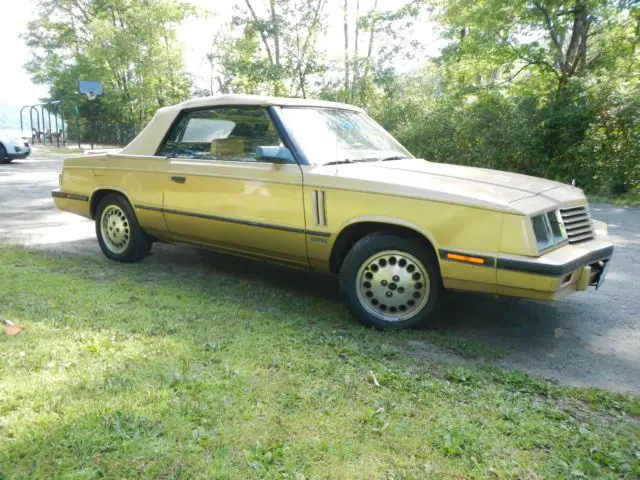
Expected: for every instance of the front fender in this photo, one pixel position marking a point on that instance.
(398, 222)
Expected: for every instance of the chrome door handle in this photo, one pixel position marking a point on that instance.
(178, 179)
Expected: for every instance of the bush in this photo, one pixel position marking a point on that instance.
(587, 132)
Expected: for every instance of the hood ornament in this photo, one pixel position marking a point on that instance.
(573, 182)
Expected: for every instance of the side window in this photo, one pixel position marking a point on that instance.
(227, 133)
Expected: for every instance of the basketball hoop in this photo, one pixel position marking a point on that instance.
(92, 89)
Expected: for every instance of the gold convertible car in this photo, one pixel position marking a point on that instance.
(320, 185)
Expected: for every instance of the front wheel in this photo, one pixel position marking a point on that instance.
(391, 282)
(3, 155)
(120, 236)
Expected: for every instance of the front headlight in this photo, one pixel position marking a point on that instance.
(548, 229)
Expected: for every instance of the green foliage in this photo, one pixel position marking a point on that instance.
(242, 69)
(542, 87)
(129, 45)
(502, 96)
(588, 134)
(270, 48)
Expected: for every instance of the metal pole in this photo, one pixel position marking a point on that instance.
(54, 106)
(78, 127)
(91, 122)
(34, 109)
(40, 123)
(58, 113)
(44, 124)
(76, 113)
(55, 115)
(50, 130)
(64, 129)
(21, 124)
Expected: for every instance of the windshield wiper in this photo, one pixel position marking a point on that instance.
(360, 160)
(348, 160)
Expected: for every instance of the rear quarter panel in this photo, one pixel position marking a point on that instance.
(141, 179)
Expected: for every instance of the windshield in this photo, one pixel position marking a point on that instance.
(327, 135)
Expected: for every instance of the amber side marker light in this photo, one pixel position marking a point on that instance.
(464, 258)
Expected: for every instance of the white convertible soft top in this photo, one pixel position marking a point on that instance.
(148, 140)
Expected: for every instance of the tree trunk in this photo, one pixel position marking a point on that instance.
(573, 61)
(347, 73)
(276, 30)
(172, 82)
(303, 62)
(301, 59)
(263, 35)
(635, 15)
(367, 62)
(276, 40)
(356, 42)
(575, 58)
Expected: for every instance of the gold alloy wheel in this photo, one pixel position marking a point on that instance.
(393, 285)
(115, 230)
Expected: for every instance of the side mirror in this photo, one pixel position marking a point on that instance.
(275, 155)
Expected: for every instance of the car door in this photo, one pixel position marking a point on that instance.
(220, 195)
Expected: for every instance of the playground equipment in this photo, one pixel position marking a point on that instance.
(39, 132)
(42, 129)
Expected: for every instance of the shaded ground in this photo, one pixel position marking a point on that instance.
(590, 339)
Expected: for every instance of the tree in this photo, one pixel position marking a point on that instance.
(237, 64)
(500, 40)
(540, 87)
(381, 36)
(129, 45)
(273, 38)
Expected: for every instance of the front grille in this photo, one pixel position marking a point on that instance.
(577, 222)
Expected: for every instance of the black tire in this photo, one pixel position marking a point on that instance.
(138, 243)
(412, 259)
(3, 154)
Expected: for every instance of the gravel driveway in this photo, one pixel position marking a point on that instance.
(589, 339)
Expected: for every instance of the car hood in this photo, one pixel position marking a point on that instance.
(451, 183)
(513, 181)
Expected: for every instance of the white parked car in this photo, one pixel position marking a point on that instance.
(13, 144)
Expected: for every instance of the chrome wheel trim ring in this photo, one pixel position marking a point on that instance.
(393, 286)
(115, 229)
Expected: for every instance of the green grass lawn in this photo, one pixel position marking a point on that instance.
(158, 371)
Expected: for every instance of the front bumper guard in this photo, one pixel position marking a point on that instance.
(593, 257)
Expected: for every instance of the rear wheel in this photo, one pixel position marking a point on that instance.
(391, 282)
(120, 236)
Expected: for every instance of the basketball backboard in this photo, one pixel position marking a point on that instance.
(90, 87)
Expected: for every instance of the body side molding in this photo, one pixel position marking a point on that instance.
(70, 196)
(234, 220)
